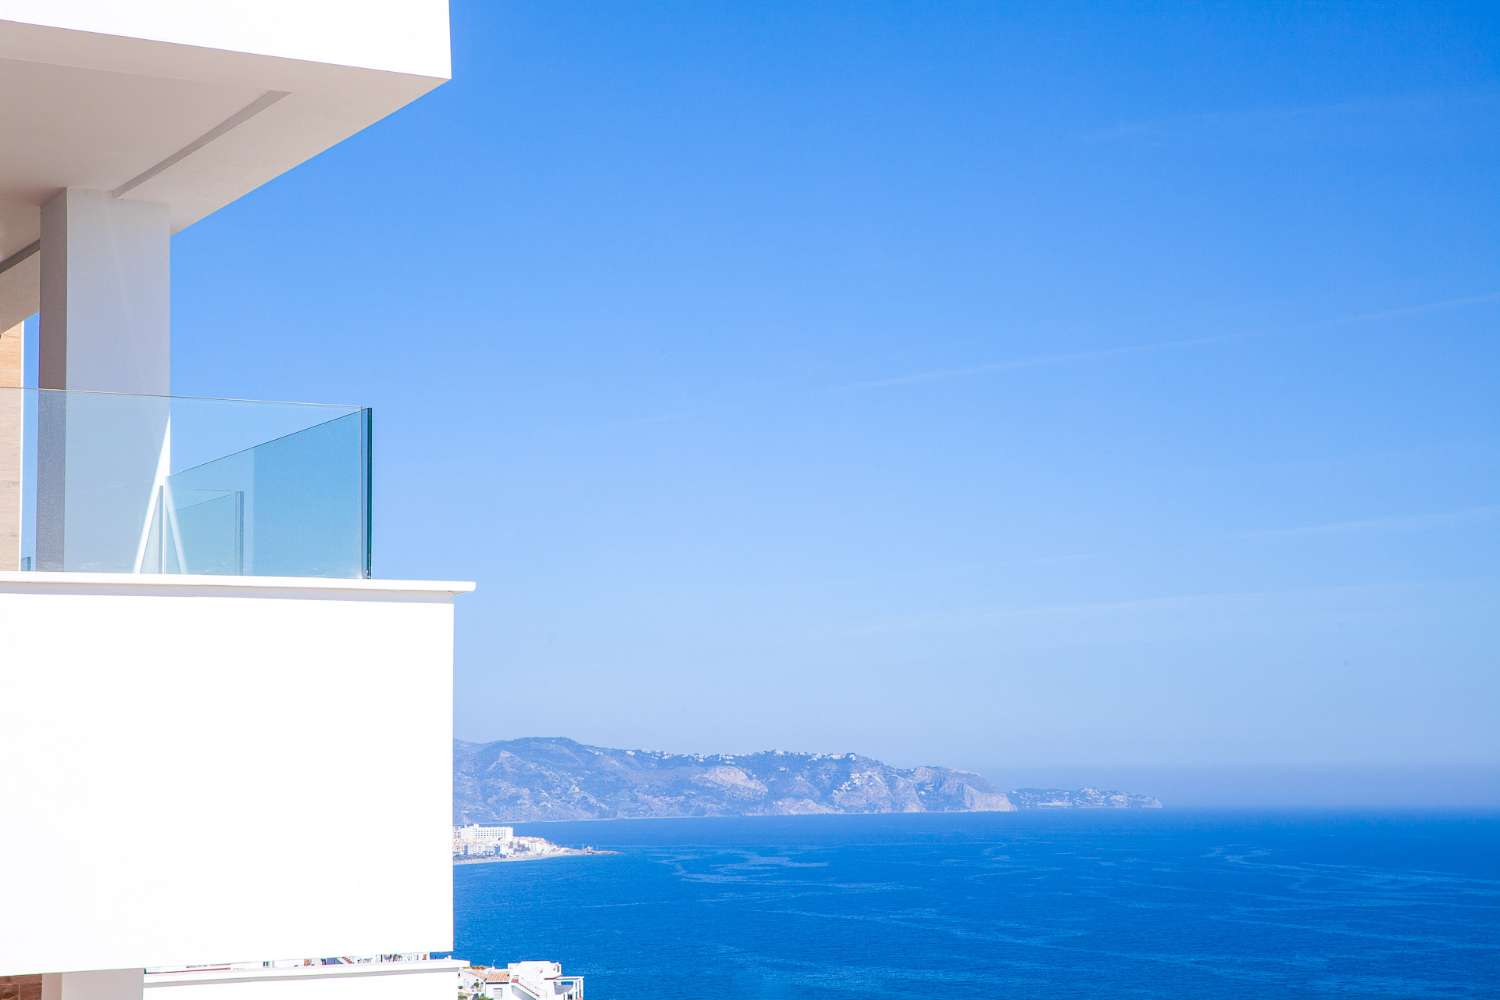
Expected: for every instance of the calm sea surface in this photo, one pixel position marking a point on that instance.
(1098, 905)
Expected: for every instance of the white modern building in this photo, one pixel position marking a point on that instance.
(520, 981)
(194, 653)
(475, 839)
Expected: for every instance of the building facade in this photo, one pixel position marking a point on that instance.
(192, 637)
(477, 840)
(519, 981)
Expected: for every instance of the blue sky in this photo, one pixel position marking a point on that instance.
(1027, 387)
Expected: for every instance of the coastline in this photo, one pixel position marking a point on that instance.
(561, 852)
(1023, 811)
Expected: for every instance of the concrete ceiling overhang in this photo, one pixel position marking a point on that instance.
(187, 126)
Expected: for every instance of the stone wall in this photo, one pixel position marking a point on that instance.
(20, 987)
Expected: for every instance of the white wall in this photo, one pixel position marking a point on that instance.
(103, 984)
(219, 769)
(435, 980)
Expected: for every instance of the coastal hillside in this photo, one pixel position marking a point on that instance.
(552, 778)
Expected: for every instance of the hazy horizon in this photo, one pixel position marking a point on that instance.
(1231, 785)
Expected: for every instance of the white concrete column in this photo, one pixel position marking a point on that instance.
(110, 984)
(106, 294)
(105, 328)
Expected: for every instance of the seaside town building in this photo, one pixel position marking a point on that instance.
(186, 584)
(475, 840)
(519, 981)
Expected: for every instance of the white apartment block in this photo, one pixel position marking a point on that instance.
(477, 839)
(520, 981)
(191, 637)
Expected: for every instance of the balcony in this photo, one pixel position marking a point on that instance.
(224, 742)
(94, 482)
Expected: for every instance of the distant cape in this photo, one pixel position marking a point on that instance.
(553, 778)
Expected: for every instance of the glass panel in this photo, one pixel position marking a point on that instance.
(289, 507)
(208, 532)
(152, 484)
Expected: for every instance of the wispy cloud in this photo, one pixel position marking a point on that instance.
(1251, 120)
(1178, 343)
(1419, 309)
(1395, 522)
(691, 407)
(1037, 361)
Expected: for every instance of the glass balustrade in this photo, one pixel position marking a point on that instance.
(111, 483)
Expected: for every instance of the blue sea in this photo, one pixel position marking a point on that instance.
(1045, 905)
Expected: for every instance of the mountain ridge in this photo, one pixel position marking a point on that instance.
(540, 778)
